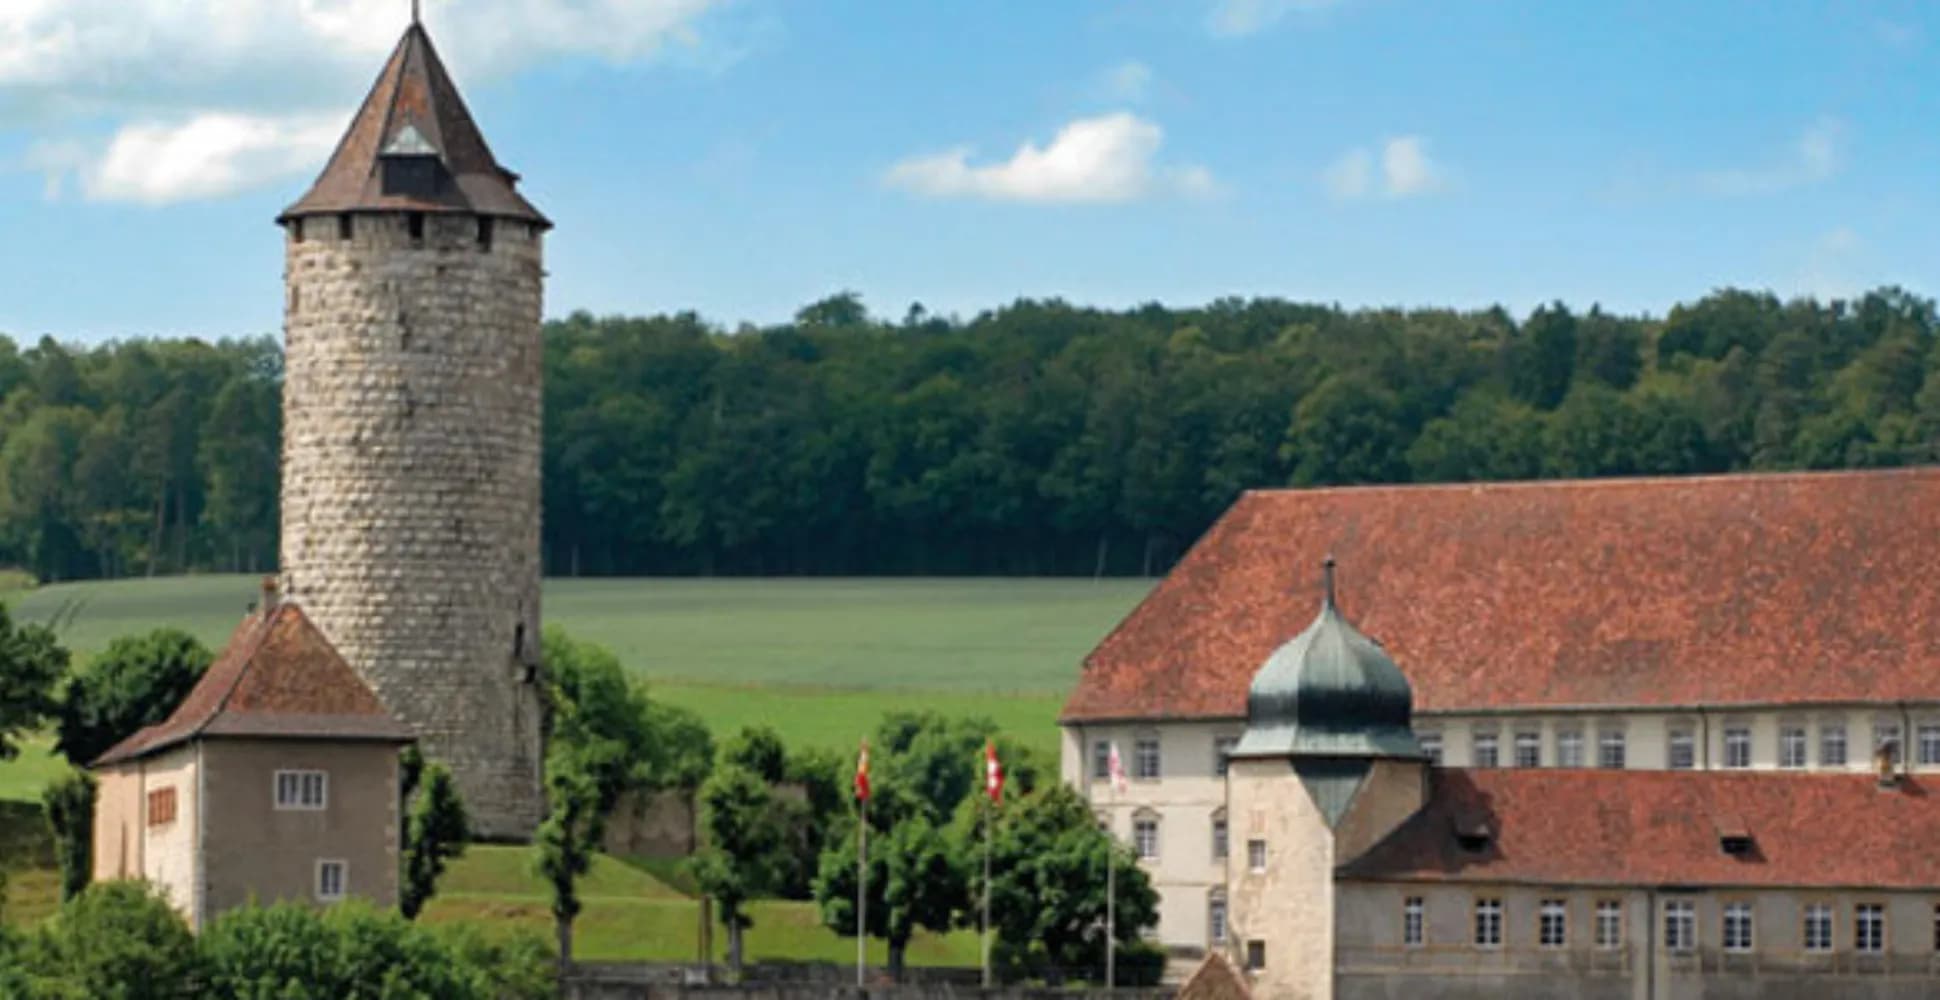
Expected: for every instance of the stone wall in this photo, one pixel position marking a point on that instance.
(410, 491)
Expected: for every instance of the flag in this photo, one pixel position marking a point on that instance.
(1117, 770)
(993, 772)
(862, 773)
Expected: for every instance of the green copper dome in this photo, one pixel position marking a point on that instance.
(1329, 692)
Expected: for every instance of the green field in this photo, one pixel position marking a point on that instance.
(819, 659)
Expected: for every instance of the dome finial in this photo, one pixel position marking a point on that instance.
(417, 12)
(1327, 581)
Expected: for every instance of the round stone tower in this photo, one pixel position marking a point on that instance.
(411, 409)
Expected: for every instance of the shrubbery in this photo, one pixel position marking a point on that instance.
(122, 941)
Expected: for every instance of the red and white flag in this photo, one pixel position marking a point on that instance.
(993, 772)
(862, 773)
(1117, 770)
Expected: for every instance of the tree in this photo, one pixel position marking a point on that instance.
(291, 951)
(916, 880)
(435, 829)
(568, 839)
(137, 681)
(742, 848)
(938, 759)
(1348, 430)
(1047, 890)
(68, 802)
(116, 941)
(31, 660)
(758, 749)
(599, 716)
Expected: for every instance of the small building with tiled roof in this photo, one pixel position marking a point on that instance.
(1758, 623)
(276, 778)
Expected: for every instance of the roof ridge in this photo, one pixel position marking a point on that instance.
(1603, 482)
(265, 618)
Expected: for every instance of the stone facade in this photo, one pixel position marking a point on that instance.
(410, 480)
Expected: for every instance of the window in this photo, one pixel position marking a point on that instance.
(1222, 751)
(301, 789)
(1682, 753)
(1145, 758)
(1488, 923)
(1737, 926)
(1936, 928)
(1569, 748)
(1255, 956)
(415, 222)
(161, 806)
(1869, 928)
(1529, 749)
(1609, 749)
(1886, 736)
(485, 234)
(1552, 924)
(1832, 745)
(1737, 746)
(1609, 924)
(1216, 918)
(1791, 746)
(344, 230)
(1219, 836)
(1100, 760)
(1484, 752)
(1818, 927)
(1680, 925)
(1145, 837)
(332, 876)
(1256, 855)
(1431, 744)
(1928, 736)
(1413, 922)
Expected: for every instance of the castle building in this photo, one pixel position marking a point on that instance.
(1657, 736)
(275, 779)
(411, 437)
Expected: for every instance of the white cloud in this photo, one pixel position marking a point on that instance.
(204, 156)
(1817, 155)
(1105, 159)
(1126, 82)
(1405, 171)
(234, 84)
(1239, 18)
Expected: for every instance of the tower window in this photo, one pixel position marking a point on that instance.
(416, 223)
(344, 227)
(485, 235)
(296, 230)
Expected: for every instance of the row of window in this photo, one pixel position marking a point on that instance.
(304, 790)
(1680, 752)
(1145, 840)
(1145, 765)
(1736, 932)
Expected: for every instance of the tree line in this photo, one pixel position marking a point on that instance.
(1038, 438)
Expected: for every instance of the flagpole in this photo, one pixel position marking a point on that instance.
(1111, 889)
(862, 897)
(988, 809)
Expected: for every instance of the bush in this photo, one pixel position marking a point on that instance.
(292, 951)
(516, 962)
(69, 805)
(116, 941)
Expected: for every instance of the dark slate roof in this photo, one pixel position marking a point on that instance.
(278, 678)
(415, 108)
(1636, 828)
(1329, 692)
(1654, 593)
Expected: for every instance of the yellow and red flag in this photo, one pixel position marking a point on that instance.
(862, 773)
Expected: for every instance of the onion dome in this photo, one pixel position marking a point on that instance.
(1329, 692)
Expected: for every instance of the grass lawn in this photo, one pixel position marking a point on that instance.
(22, 778)
(819, 659)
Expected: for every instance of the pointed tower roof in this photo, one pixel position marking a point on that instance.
(414, 110)
(278, 678)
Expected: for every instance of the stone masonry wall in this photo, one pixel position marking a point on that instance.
(410, 527)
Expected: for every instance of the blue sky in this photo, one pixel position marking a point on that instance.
(742, 157)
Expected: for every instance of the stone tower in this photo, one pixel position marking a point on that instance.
(411, 408)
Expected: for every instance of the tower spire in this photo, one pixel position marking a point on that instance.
(417, 12)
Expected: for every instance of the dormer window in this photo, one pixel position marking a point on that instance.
(1734, 837)
(411, 165)
(1473, 832)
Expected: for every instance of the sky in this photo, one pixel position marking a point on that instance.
(740, 158)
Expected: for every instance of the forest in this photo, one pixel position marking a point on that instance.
(1041, 438)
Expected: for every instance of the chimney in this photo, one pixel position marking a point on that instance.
(269, 595)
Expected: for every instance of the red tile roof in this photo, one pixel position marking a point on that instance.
(415, 90)
(1591, 827)
(277, 678)
(1644, 592)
